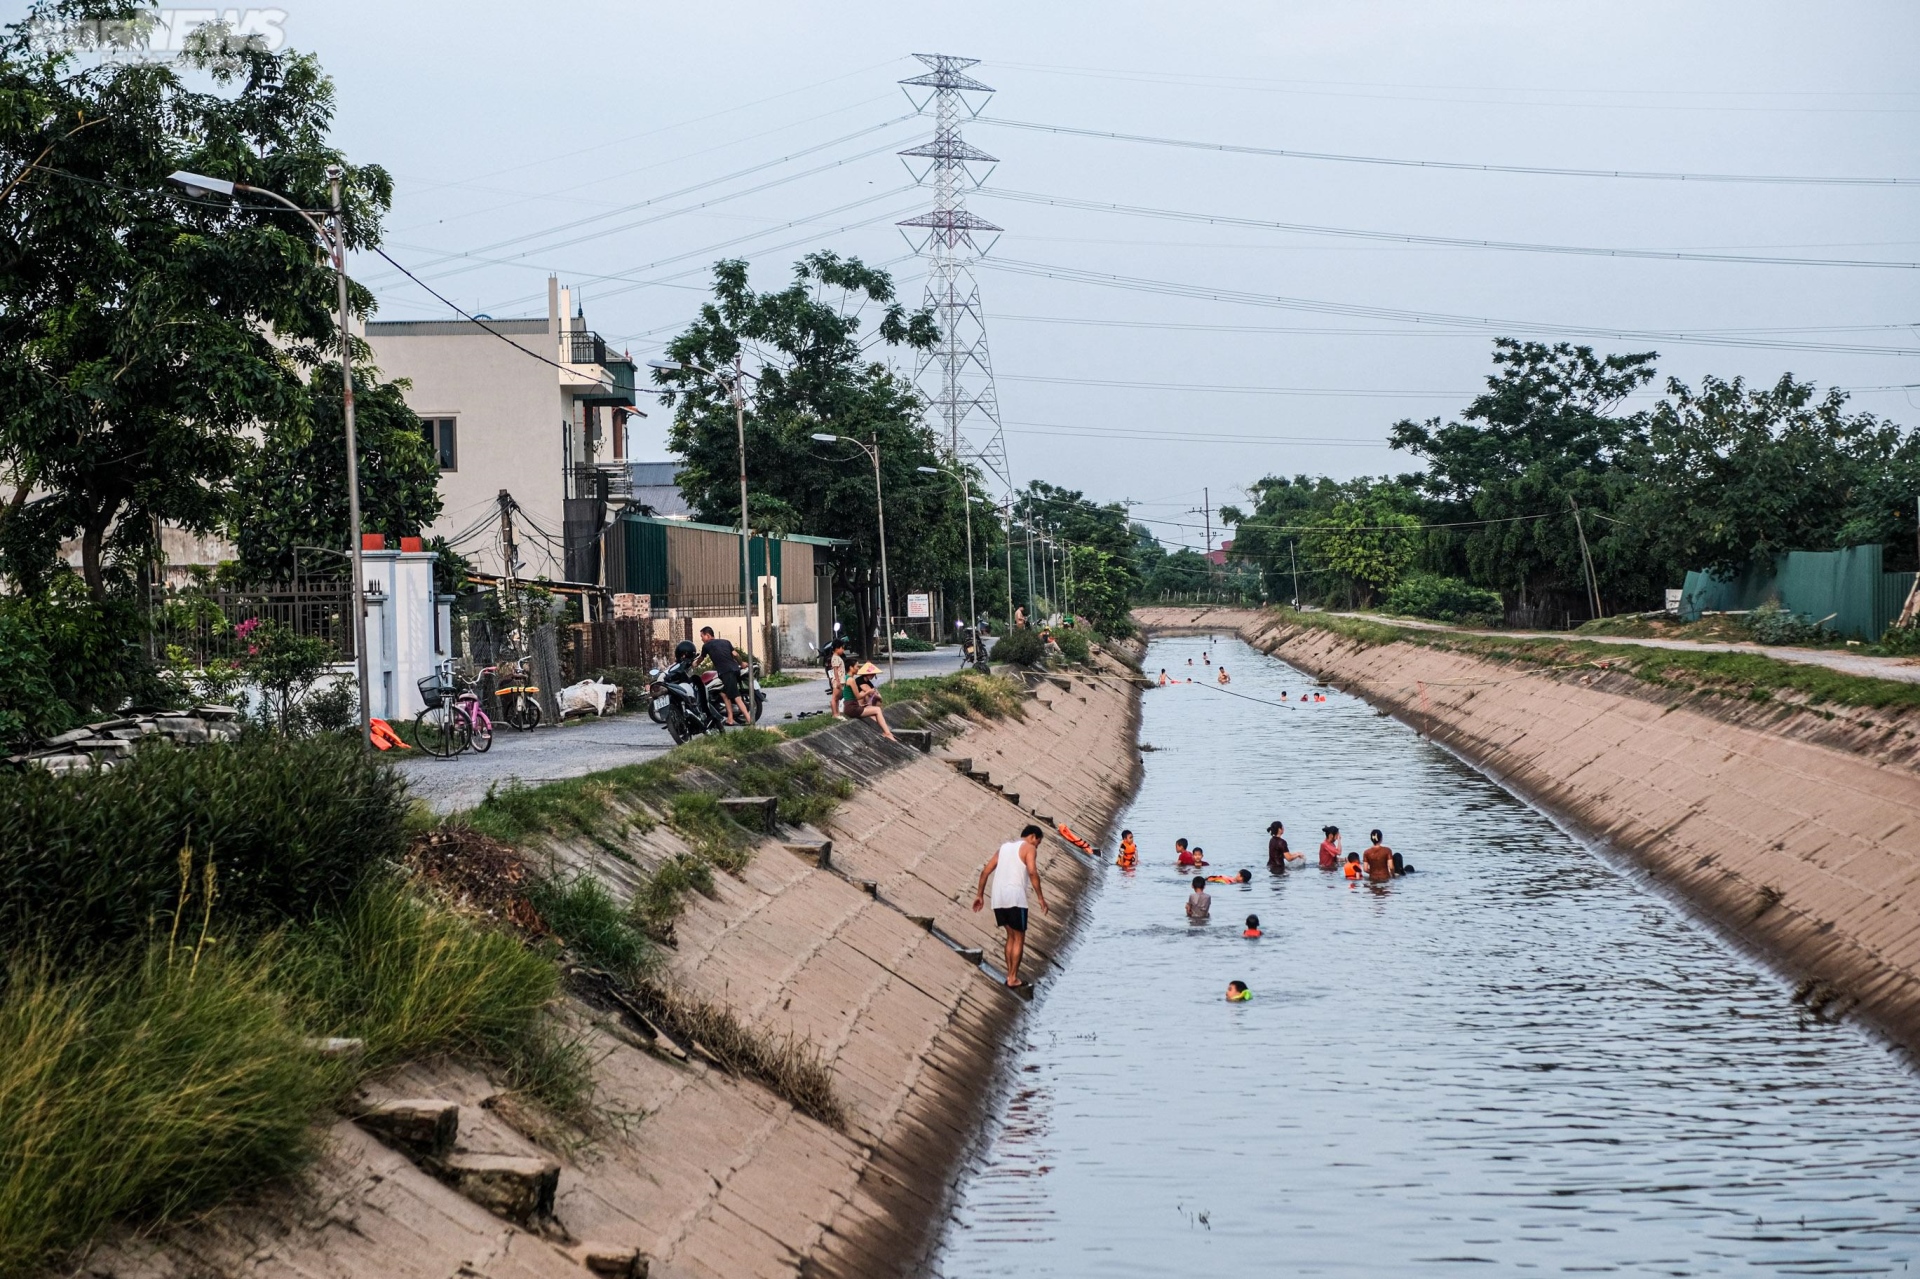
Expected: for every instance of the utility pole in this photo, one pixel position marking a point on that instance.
(1293, 555)
(1593, 588)
(509, 553)
(1008, 547)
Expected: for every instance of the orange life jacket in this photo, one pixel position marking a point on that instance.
(1074, 839)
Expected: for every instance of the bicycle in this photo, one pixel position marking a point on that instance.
(452, 720)
(519, 700)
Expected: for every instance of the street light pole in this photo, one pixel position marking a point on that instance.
(749, 589)
(334, 176)
(880, 509)
(336, 242)
(966, 501)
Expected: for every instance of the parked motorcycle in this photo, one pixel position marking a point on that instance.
(688, 703)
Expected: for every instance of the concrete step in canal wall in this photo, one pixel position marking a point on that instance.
(1796, 833)
(856, 939)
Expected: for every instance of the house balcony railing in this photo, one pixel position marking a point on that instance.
(584, 347)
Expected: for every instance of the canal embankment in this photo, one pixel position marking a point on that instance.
(843, 942)
(1788, 818)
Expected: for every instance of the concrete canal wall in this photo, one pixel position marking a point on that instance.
(1796, 831)
(706, 1173)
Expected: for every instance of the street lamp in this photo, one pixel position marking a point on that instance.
(748, 587)
(199, 184)
(886, 592)
(966, 492)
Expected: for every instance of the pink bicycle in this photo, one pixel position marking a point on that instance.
(452, 720)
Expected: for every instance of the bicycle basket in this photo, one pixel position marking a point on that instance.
(435, 691)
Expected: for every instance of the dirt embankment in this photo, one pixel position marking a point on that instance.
(1794, 830)
(705, 1172)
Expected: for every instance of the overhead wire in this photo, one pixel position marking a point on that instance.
(653, 218)
(1175, 288)
(1443, 241)
(1650, 175)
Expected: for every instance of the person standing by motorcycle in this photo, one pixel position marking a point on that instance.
(836, 675)
(719, 652)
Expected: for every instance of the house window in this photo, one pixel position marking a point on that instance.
(441, 438)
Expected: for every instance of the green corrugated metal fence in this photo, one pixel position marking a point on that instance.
(1847, 589)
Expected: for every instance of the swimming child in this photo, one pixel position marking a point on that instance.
(1237, 992)
(1129, 852)
(1352, 869)
(1185, 858)
(1199, 855)
(1199, 905)
(1400, 866)
(1330, 848)
(1244, 877)
(1253, 926)
(1164, 681)
(1223, 676)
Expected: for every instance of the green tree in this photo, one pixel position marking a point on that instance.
(1365, 544)
(143, 334)
(1544, 437)
(815, 376)
(1267, 536)
(1735, 475)
(1101, 588)
(292, 491)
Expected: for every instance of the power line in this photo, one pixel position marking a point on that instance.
(1334, 391)
(1174, 288)
(1461, 166)
(1443, 241)
(669, 213)
(533, 355)
(1103, 322)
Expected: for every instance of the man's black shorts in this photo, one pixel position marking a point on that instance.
(730, 682)
(1014, 917)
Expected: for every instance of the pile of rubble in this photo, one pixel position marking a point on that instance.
(106, 743)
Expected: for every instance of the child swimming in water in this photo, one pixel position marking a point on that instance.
(1237, 992)
(1352, 869)
(1129, 852)
(1253, 926)
(1244, 877)
(1199, 905)
(1184, 860)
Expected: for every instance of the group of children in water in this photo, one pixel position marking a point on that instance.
(1377, 865)
(1221, 677)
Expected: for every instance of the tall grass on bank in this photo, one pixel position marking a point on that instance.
(90, 860)
(968, 692)
(149, 1087)
(143, 1090)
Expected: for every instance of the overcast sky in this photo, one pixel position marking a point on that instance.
(504, 121)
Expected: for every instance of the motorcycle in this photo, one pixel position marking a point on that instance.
(690, 704)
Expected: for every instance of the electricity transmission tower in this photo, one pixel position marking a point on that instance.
(956, 375)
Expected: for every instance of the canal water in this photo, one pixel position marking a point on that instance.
(1515, 1059)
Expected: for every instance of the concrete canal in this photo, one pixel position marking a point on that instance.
(1515, 1059)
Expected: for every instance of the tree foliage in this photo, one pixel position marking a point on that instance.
(1544, 438)
(292, 491)
(813, 376)
(142, 333)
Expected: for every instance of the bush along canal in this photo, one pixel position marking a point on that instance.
(1516, 1057)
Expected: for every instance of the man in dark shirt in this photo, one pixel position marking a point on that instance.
(727, 667)
(1278, 854)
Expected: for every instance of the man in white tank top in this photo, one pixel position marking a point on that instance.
(1011, 870)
